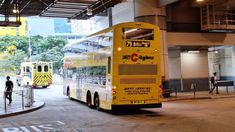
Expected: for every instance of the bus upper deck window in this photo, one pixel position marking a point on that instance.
(39, 68)
(45, 68)
(138, 34)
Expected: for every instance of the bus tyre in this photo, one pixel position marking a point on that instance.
(97, 101)
(44, 86)
(88, 99)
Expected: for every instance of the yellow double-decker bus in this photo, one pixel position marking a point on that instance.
(119, 67)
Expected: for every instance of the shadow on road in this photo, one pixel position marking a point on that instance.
(132, 112)
(123, 111)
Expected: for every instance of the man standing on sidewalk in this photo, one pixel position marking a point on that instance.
(8, 89)
(214, 83)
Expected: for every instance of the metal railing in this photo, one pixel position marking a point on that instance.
(21, 97)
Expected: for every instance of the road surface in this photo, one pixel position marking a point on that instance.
(64, 115)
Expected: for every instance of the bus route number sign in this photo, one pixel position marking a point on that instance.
(137, 44)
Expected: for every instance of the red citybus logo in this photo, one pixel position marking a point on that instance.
(135, 57)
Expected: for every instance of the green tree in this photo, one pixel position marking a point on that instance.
(14, 50)
(17, 58)
(53, 55)
(48, 49)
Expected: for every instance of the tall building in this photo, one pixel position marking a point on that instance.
(83, 27)
(41, 26)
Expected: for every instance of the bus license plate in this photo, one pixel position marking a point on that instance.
(138, 102)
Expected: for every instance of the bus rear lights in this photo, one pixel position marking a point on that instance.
(119, 48)
(114, 92)
(160, 90)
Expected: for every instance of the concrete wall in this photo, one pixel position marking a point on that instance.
(194, 68)
(123, 12)
(183, 17)
(201, 39)
(174, 67)
(226, 68)
(101, 23)
(143, 8)
(233, 63)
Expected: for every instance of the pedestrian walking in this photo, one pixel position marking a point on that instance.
(214, 84)
(8, 89)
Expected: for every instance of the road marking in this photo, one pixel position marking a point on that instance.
(50, 126)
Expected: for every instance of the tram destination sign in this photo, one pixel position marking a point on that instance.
(137, 44)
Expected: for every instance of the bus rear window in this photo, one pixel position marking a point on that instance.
(133, 69)
(137, 34)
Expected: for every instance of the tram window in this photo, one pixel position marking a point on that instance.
(39, 68)
(137, 34)
(46, 68)
(27, 69)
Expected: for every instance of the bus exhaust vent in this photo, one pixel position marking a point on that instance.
(133, 69)
(137, 80)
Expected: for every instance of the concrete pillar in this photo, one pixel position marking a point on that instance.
(148, 11)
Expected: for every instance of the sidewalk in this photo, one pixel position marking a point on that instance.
(17, 106)
(199, 95)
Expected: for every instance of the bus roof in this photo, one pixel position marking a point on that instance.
(107, 30)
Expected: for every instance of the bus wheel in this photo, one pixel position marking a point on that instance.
(44, 86)
(88, 99)
(97, 101)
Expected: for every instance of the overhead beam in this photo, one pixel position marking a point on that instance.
(80, 1)
(96, 8)
(66, 8)
(162, 3)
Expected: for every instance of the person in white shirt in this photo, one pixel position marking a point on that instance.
(214, 83)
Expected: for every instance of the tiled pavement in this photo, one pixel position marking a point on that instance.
(202, 95)
(17, 106)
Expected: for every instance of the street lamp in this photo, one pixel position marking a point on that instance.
(30, 49)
